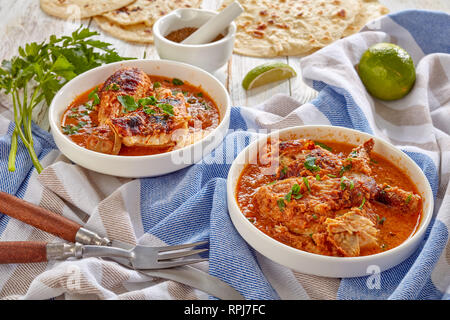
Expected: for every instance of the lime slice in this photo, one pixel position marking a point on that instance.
(267, 73)
(387, 71)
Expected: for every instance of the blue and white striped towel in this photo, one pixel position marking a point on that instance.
(190, 205)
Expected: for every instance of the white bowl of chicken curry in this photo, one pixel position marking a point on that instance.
(329, 201)
(140, 118)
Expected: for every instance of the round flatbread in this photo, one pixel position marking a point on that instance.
(370, 10)
(81, 8)
(147, 12)
(291, 27)
(140, 33)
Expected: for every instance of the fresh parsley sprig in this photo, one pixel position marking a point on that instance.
(40, 70)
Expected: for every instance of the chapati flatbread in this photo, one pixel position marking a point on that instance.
(291, 27)
(147, 12)
(81, 8)
(140, 33)
(370, 10)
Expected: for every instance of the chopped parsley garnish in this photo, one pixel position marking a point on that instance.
(177, 82)
(314, 216)
(156, 85)
(310, 164)
(128, 103)
(408, 199)
(345, 168)
(322, 145)
(362, 204)
(89, 105)
(73, 115)
(199, 94)
(318, 177)
(373, 161)
(284, 170)
(281, 204)
(166, 108)
(93, 95)
(288, 196)
(380, 221)
(148, 110)
(352, 184)
(295, 189)
(306, 182)
(331, 175)
(353, 154)
(71, 129)
(271, 183)
(343, 185)
(148, 101)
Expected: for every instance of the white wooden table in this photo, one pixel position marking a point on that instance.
(23, 21)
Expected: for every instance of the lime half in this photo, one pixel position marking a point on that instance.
(267, 73)
(387, 71)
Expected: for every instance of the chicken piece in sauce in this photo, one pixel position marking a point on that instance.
(327, 198)
(151, 125)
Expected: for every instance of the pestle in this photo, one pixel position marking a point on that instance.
(213, 27)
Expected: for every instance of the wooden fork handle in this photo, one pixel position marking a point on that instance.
(38, 217)
(23, 252)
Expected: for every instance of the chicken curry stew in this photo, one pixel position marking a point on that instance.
(133, 114)
(330, 198)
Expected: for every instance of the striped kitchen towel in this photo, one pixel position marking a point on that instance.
(190, 205)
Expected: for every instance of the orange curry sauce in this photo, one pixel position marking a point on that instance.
(81, 116)
(396, 226)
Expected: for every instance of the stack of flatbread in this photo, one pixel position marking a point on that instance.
(129, 20)
(270, 28)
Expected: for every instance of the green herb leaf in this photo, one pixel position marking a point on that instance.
(318, 177)
(166, 108)
(296, 189)
(306, 182)
(298, 196)
(288, 196)
(70, 129)
(323, 145)
(345, 168)
(331, 175)
(156, 85)
(128, 103)
(148, 101)
(281, 204)
(408, 199)
(362, 204)
(148, 110)
(380, 221)
(177, 82)
(310, 164)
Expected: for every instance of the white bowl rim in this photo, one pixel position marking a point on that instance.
(54, 123)
(419, 232)
(157, 32)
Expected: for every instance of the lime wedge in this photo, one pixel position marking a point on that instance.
(267, 73)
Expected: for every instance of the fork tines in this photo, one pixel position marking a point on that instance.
(165, 254)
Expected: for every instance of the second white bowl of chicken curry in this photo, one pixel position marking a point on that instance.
(140, 118)
(329, 201)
